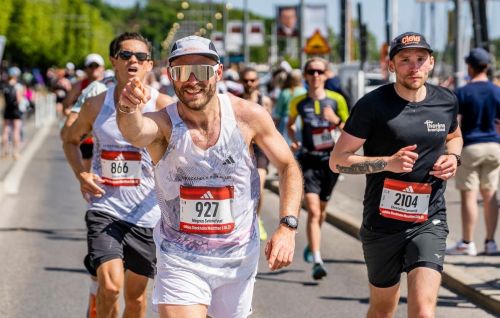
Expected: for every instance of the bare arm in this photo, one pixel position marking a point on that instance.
(140, 130)
(345, 160)
(71, 142)
(72, 96)
(280, 250)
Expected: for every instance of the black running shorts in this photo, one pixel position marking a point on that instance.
(86, 150)
(318, 177)
(388, 255)
(260, 157)
(110, 238)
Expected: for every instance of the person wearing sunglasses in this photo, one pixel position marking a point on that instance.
(321, 112)
(208, 186)
(249, 78)
(122, 203)
(411, 143)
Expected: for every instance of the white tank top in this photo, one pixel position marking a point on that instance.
(126, 170)
(208, 198)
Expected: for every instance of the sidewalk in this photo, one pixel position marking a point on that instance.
(477, 278)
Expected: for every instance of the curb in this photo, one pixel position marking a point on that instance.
(452, 277)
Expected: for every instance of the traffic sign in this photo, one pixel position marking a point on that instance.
(317, 44)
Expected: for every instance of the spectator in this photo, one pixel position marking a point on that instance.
(292, 88)
(479, 107)
(13, 92)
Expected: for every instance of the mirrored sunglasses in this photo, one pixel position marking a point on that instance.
(127, 55)
(201, 72)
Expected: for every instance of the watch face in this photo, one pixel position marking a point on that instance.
(292, 221)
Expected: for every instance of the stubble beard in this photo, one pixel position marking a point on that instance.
(207, 91)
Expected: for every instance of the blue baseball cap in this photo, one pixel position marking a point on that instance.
(478, 57)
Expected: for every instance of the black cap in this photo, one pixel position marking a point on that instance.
(408, 40)
(478, 57)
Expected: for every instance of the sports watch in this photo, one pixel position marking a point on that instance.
(458, 157)
(290, 221)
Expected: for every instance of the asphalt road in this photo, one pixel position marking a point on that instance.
(42, 243)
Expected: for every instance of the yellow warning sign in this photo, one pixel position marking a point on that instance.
(317, 44)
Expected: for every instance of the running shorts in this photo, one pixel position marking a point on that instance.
(226, 289)
(86, 150)
(109, 238)
(388, 255)
(318, 177)
(260, 157)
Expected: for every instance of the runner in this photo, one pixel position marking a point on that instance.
(250, 80)
(411, 144)
(122, 203)
(93, 89)
(321, 111)
(94, 69)
(208, 187)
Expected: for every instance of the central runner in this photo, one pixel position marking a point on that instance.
(208, 187)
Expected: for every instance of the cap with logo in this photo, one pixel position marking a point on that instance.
(193, 45)
(94, 58)
(478, 57)
(408, 40)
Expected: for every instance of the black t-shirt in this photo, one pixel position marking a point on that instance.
(389, 123)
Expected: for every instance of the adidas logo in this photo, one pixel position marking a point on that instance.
(409, 189)
(207, 195)
(120, 157)
(228, 161)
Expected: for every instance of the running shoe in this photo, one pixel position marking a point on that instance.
(318, 271)
(490, 248)
(462, 248)
(308, 255)
(262, 230)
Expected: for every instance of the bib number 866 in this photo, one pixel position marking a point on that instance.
(208, 209)
(118, 167)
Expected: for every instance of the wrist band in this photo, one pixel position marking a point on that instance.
(126, 112)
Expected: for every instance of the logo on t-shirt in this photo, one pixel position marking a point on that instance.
(434, 127)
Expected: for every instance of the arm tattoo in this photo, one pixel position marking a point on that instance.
(364, 167)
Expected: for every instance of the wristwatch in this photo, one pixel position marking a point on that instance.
(290, 221)
(458, 157)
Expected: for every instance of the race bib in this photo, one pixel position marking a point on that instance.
(405, 201)
(206, 210)
(121, 168)
(323, 138)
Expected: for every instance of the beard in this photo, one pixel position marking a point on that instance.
(201, 98)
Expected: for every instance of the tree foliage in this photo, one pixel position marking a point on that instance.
(52, 32)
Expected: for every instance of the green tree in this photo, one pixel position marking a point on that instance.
(5, 13)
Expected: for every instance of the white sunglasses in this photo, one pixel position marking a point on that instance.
(201, 72)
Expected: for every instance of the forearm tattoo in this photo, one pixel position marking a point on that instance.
(364, 167)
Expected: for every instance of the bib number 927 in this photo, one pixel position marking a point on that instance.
(207, 209)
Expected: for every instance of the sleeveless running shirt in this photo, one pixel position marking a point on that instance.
(208, 198)
(127, 171)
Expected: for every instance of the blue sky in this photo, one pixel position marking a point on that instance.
(409, 17)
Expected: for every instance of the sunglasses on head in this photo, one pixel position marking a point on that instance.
(312, 72)
(127, 55)
(201, 72)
